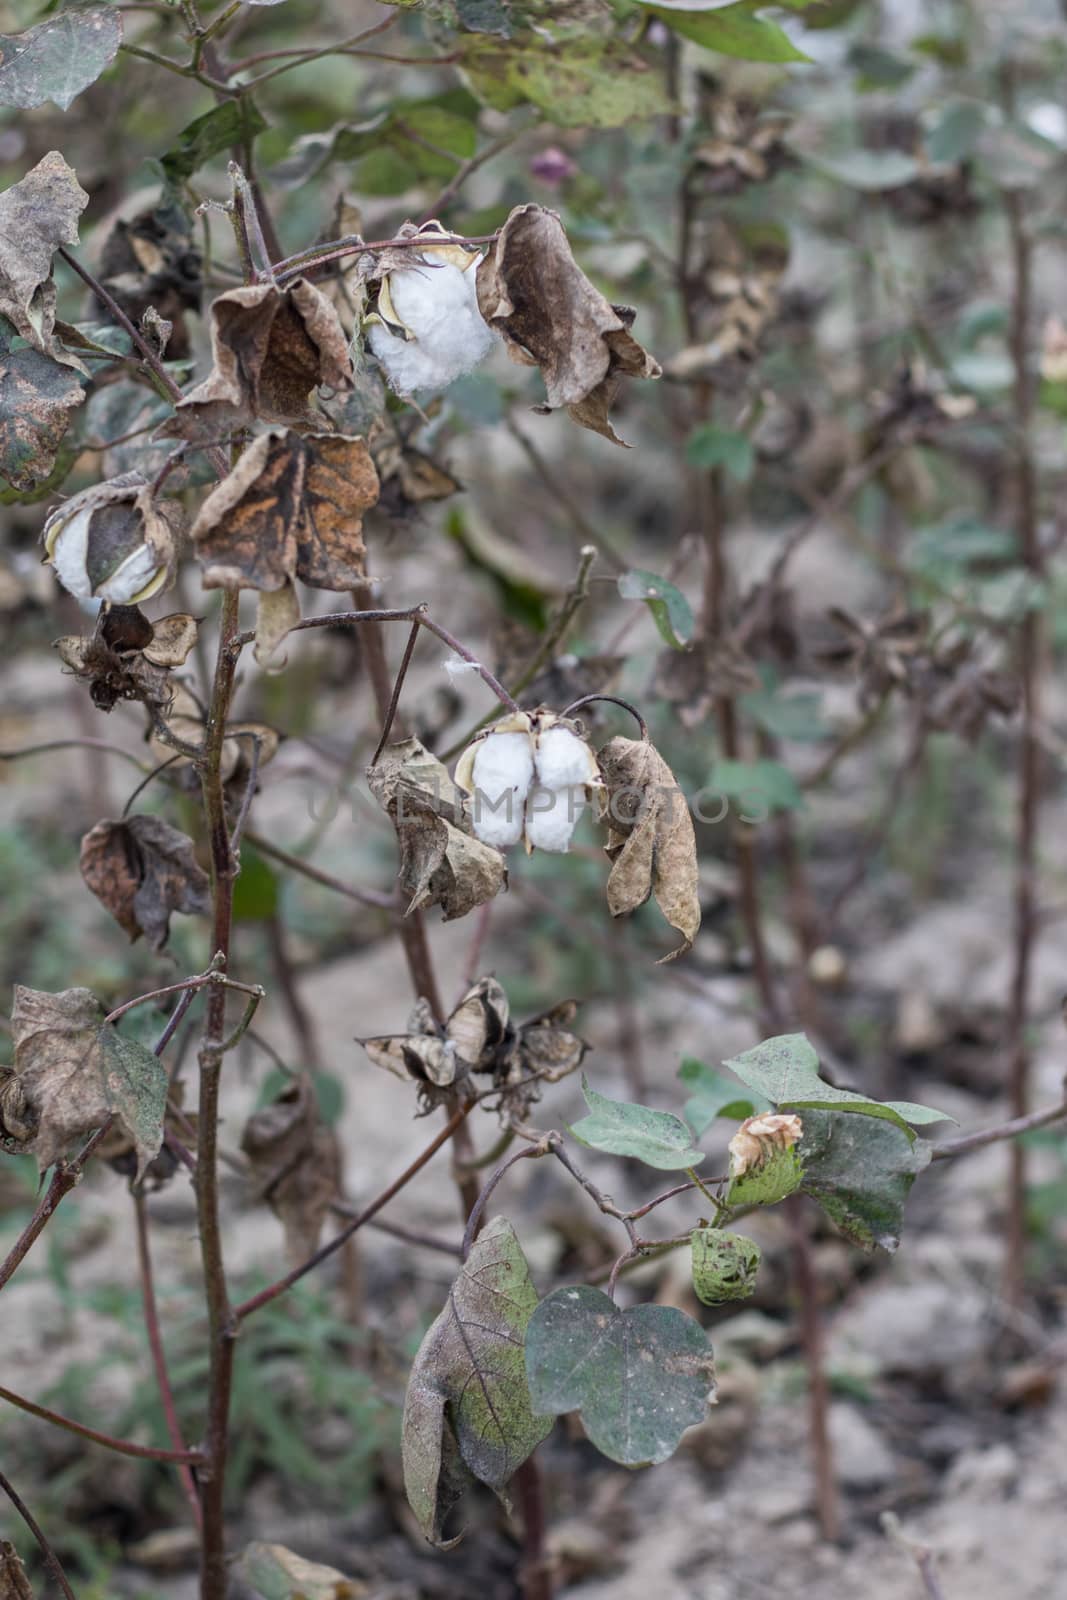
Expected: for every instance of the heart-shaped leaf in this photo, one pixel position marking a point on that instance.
(639, 1377)
(621, 1128)
(713, 1094)
(860, 1171)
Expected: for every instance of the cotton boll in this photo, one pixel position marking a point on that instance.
(438, 303)
(500, 779)
(68, 553)
(138, 578)
(563, 760)
(551, 817)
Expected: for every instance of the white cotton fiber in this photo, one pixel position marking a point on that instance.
(501, 777)
(439, 303)
(563, 759)
(70, 555)
(130, 581)
(551, 815)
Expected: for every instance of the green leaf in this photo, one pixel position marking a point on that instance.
(37, 396)
(468, 1405)
(255, 889)
(786, 1070)
(792, 716)
(58, 58)
(585, 82)
(958, 128)
(733, 31)
(712, 1095)
(671, 611)
(878, 68)
(234, 122)
(712, 447)
(870, 170)
(390, 151)
(954, 543)
(639, 1377)
(135, 1084)
(724, 1266)
(860, 1171)
(759, 787)
(621, 1128)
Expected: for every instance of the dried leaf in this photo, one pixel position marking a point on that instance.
(652, 844)
(116, 664)
(151, 264)
(292, 507)
(468, 1404)
(37, 396)
(117, 1147)
(36, 216)
(58, 58)
(142, 869)
(441, 863)
(271, 347)
(274, 1572)
(172, 639)
(14, 1584)
(296, 1160)
(531, 289)
(74, 1073)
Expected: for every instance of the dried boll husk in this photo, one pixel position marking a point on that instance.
(428, 330)
(114, 541)
(530, 775)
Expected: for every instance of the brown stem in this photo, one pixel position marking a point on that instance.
(826, 1499)
(123, 1447)
(949, 1148)
(222, 1326)
(367, 897)
(159, 1356)
(64, 1178)
(52, 1561)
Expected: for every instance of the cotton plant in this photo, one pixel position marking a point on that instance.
(427, 330)
(529, 777)
(113, 542)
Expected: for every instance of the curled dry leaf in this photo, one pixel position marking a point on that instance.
(73, 1073)
(467, 1409)
(291, 508)
(651, 841)
(142, 869)
(531, 290)
(14, 1584)
(441, 863)
(37, 215)
(127, 657)
(117, 1148)
(114, 541)
(37, 396)
(270, 347)
(296, 1163)
(150, 264)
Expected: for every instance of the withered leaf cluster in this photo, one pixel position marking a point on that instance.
(126, 657)
(693, 680)
(744, 145)
(740, 294)
(71, 1074)
(480, 1037)
(533, 292)
(296, 1163)
(408, 476)
(651, 841)
(142, 869)
(271, 348)
(150, 263)
(441, 862)
(291, 508)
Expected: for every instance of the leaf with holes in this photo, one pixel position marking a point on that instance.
(621, 1128)
(639, 1377)
(786, 1070)
(467, 1410)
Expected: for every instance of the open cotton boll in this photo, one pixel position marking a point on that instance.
(551, 817)
(69, 555)
(563, 760)
(500, 779)
(138, 578)
(438, 303)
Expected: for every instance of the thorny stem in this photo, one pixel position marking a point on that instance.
(123, 1447)
(159, 1356)
(1030, 764)
(265, 1296)
(222, 1324)
(52, 1561)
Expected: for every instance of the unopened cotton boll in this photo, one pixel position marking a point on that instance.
(552, 815)
(437, 302)
(501, 776)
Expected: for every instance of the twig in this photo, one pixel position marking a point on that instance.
(68, 744)
(52, 1561)
(529, 1152)
(948, 1149)
(159, 1357)
(922, 1555)
(827, 1504)
(367, 897)
(573, 601)
(313, 55)
(612, 699)
(471, 165)
(586, 531)
(65, 1176)
(123, 1447)
(394, 701)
